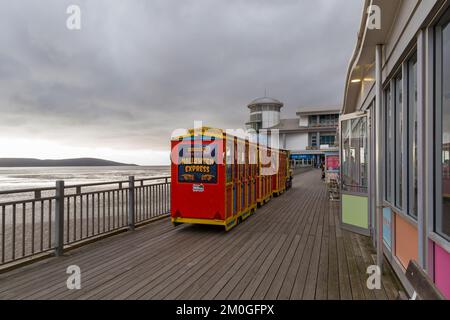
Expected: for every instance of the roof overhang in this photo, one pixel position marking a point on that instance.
(363, 58)
(317, 110)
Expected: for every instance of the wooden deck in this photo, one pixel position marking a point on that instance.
(292, 248)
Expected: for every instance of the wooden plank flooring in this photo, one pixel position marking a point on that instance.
(292, 248)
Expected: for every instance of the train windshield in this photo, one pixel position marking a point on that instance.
(197, 163)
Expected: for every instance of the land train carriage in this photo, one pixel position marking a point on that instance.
(220, 179)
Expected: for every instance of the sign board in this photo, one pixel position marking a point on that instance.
(197, 163)
(198, 188)
(302, 156)
(332, 162)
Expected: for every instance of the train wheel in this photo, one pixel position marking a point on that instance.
(229, 227)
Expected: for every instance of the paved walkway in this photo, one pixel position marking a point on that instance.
(292, 248)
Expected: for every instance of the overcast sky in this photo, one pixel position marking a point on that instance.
(138, 69)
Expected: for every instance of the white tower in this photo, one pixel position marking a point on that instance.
(264, 113)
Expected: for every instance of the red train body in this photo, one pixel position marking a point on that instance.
(220, 179)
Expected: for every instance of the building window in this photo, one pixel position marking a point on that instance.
(354, 155)
(412, 136)
(442, 219)
(328, 120)
(393, 132)
(328, 139)
(388, 143)
(255, 117)
(314, 140)
(398, 142)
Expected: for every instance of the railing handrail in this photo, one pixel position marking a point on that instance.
(81, 185)
(42, 223)
(18, 202)
(27, 190)
(113, 182)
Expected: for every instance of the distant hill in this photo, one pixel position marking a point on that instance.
(79, 162)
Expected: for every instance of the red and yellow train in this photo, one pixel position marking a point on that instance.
(221, 179)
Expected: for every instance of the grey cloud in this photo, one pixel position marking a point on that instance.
(139, 69)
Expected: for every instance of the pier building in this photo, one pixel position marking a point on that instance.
(309, 136)
(395, 137)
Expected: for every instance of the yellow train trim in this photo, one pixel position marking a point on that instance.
(278, 191)
(228, 224)
(263, 201)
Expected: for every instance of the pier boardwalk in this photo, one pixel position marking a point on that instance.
(292, 248)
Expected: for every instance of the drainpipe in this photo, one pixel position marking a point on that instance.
(378, 156)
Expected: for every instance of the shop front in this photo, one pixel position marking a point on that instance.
(303, 160)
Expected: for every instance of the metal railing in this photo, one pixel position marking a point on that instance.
(324, 124)
(45, 220)
(334, 145)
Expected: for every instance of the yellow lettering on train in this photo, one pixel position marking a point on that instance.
(195, 168)
(186, 161)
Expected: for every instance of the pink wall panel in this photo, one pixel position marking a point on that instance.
(442, 270)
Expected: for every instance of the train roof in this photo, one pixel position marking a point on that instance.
(212, 133)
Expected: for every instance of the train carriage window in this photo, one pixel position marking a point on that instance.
(265, 157)
(261, 151)
(239, 159)
(274, 162)
(249, 161)
(242, 159)
(236, 162)
(246, 171)
(229, 159)
(253, 158)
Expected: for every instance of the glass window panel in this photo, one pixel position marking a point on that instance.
(412, 145)
(354, 155)
(388, 138)
(443, 215)
(329, 139)
(398, 142)
(363, 160)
